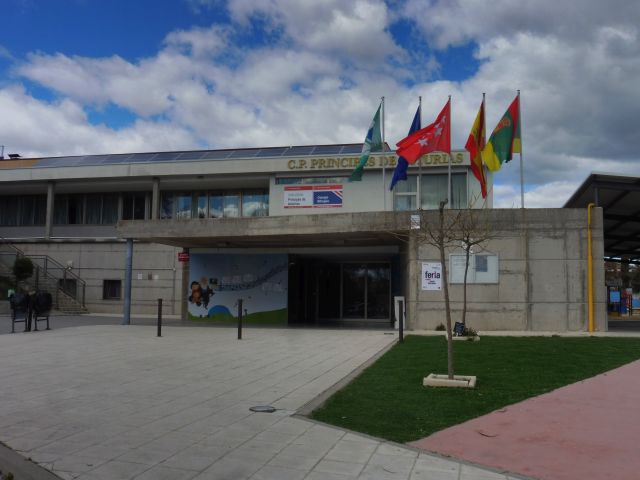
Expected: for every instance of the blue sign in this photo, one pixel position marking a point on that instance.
(614, 296)
(327, 198)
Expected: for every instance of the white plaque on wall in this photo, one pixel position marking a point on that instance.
(431, 276)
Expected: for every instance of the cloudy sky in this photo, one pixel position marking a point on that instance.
(107, 76)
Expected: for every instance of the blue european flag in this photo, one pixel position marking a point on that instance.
(400, 173)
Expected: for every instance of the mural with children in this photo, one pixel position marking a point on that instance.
(217, 281)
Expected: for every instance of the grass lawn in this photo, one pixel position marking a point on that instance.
(388, 400)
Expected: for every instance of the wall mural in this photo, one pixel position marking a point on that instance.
(217, 281)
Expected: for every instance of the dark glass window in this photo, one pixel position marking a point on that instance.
(111, 289)
(133, 206)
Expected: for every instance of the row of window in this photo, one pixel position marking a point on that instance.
(23, 210)
(425, 191)
(245, 203)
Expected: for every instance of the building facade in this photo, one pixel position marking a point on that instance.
(285, 231)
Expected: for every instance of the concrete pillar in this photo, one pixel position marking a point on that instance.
(155, 199)
(128, 275)
(412, 283)
(49, 214)
(184, 310)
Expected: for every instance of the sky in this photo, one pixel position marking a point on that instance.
(113, 76)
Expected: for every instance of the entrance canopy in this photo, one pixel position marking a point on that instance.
(619, 197)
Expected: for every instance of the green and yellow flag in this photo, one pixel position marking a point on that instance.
(372, 143)
(505, 139)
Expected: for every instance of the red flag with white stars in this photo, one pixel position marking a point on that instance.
(435, 137)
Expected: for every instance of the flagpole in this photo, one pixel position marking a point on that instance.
(484, 141)
(449, 202)
(384, 183)
(419, 179)
(521, 162)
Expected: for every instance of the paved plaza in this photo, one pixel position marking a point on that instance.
(116, 402)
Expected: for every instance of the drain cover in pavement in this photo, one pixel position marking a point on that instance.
(263, 409)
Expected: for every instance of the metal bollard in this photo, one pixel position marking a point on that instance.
(159, 317)
(240, 319)
(401, 321)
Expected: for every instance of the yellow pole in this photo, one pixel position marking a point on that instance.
(590, 267)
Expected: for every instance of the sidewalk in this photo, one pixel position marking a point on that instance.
(589, 430)
(116, 402)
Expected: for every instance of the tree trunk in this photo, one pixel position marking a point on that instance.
(464, 286)
(446, 294)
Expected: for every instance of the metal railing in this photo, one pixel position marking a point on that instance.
(46, 269)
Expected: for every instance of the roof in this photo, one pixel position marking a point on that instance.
(186, 155)
(619, 197)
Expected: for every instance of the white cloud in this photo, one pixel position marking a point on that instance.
(38, 128)
(354, 30)
(321, 81)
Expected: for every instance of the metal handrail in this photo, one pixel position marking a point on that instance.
(48, 266)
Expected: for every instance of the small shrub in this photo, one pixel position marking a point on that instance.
(470, 332)
(22, 268)
(441, 328)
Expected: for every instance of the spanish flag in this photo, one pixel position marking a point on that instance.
(475, 144)
(505, 139)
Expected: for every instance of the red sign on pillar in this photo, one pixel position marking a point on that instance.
(183, 257)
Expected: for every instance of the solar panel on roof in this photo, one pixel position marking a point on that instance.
(299, 151)
(119, 158)
(244, 153)
(191, 155)
(327, 149)
(217, 154)
(165, 156)
(357, 148)
(142, 157)
(272, 152)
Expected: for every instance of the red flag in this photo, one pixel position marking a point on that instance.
(432, 138)
(475, 144)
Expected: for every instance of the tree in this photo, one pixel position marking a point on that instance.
(22, 269)
(442, 236)
(474, 231)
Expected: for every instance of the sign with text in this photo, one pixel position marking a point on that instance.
(183, 257)
(313, 196)
(431, 276)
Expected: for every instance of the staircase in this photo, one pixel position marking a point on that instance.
(66, 288)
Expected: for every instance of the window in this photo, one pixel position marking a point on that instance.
(111, 289)
(405, 194)
(183, 206)
(68, 210)
(9, 211)
(255, 204)
(166, 205)
(33, 210)
(431, 190)
(200, 206)
(133, 206)
(225, 204)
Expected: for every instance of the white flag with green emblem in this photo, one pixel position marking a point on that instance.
(373, 143)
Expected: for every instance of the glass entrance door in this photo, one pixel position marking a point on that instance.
(366, 291)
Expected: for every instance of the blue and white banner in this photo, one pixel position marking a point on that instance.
(313, 196)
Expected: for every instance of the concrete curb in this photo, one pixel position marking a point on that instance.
(22, 468)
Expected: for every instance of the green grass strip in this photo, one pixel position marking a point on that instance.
(388, 400)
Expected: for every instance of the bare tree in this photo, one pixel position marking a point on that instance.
(473, 231)
(442, 236)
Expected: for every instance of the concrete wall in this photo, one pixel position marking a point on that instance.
(156, 272)
(542, 275)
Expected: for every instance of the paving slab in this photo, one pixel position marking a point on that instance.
(589, 430)
(116, 402)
